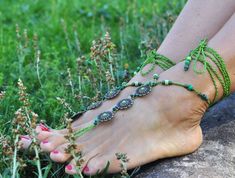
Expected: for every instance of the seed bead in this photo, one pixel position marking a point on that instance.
(166, 82)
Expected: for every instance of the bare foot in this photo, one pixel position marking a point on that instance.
(44, 133)
(163, 124)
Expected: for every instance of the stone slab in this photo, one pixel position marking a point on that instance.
(216, 156)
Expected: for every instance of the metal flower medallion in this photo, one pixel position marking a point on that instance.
(112, 94)
(143, 90)
(105, 116)
(94, 105)
(125, 103)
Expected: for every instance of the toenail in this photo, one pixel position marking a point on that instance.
(24, 137)
(69, 167)
(45, 141)
(86, 169)
(44, 128)
(55, 152)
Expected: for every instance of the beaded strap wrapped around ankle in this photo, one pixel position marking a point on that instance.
(155, 59)
(201, 53)
(206, 55)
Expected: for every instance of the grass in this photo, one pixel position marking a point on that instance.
(47, 44)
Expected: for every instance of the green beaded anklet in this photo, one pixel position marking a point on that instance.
(153, 57)
(145, 88)
(201, 54)
(126, 103)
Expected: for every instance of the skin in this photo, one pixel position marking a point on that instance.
(184, 35)
(163, 134)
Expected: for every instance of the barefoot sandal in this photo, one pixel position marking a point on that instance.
(153, 58)
(201, 54)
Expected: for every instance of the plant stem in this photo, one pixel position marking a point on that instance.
(37, 160)
(35, 148)
(37, 67)
(77, 168)
(15, 163)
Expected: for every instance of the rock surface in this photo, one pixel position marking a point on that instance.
(216, 156)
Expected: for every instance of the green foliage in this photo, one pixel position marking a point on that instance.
(63, 31)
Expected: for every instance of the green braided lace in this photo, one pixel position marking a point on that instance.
(155, 59)
(84, 130)
(206, 55)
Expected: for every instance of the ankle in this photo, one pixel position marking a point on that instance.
(179, 106)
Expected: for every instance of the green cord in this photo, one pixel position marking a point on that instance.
(189, 87)
(84, 130)
(155, 59)
(201, 54)
(222, 69)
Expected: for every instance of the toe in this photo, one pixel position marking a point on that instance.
(95, 165)
(25, 141)
(102, 162)
(52, 142)
(42, 127)
(43, 132)
(72, 169)
(56, 139)
(43, 135)
(59, 154)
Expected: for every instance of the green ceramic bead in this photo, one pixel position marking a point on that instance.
(152, 84)
(96, 121)
(188, 58)
(186, 67)
(155, 76)
(204, 97)
(132, 96)
(190, 87)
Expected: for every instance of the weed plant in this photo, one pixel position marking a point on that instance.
(58, 56)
